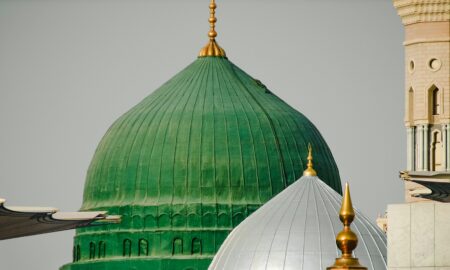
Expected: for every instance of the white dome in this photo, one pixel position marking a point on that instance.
(297, 230)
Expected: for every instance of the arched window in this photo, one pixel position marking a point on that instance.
(196, 246)
(78, 257)
(238, 218)
(143, 247)
(101, 249)
(436, 103)
(177, 247)
(127, 248)
(91, 250)
(411, 105)
(436, 151)
(435, 100)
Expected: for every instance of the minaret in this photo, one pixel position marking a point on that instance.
(427, 91)
(417, 233)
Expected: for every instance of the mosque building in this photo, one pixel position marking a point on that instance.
(190, 163)
(214, 171)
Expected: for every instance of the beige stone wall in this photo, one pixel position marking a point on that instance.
(427, 41)
(414, 11)
(419, 236)
(427, 68)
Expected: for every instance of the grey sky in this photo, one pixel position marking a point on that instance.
(68, 69)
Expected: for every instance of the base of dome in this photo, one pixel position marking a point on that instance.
(173, 263)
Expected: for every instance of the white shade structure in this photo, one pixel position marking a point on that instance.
(18, 221)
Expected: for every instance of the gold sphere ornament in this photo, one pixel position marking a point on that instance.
(212, 48)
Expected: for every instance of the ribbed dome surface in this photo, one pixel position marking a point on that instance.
(210, 134)
(188, 164)
(297, 230)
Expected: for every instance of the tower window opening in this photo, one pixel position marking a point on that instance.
(411, 66)
(196, 246)
(101, 249)
(177, 248)
(91, 250)
(434, 64)
(78, 253)
(143, 247)
(74, 254)
(436, 152)
(127, 248)
(411, 105)
(436, 101)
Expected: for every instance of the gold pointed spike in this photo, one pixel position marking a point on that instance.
(346, 240)
(347, 214)
(309, 170)
(212, 48)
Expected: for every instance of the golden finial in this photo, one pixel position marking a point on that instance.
(212, 48)
(309, 170)
(346, 240)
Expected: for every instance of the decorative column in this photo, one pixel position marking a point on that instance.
(419, 145)
(446, 146)
(426, 148)
(410, 151)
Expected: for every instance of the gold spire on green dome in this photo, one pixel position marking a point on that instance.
(212, 48)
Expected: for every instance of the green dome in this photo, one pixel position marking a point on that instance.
(188, 164)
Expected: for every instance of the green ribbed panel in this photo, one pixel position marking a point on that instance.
(191, 161)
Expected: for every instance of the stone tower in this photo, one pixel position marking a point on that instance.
(427, 92)
(417, 231)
